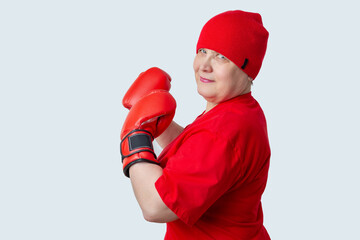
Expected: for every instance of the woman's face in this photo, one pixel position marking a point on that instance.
(218, 79)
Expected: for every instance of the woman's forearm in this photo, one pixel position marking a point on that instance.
(143, 177)
(169, 134)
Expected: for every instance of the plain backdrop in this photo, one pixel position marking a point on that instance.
(65, 66)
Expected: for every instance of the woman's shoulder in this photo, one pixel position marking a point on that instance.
(230, 120)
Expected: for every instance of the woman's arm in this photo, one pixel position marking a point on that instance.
(143, 177)
(169, 134)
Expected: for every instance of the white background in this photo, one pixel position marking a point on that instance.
(65, 65)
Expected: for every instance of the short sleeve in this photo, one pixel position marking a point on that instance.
(199, 172)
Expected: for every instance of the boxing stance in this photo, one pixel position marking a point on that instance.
(208, 181)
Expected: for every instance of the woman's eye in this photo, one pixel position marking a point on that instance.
(201, 50)
(221, 57)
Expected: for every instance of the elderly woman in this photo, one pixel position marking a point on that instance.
(208, 181)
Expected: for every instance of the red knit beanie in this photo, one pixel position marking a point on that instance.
(240, 36)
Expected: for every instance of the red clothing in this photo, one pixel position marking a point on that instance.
(215, 172)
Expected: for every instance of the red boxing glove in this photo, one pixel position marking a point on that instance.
(147, 119)
(148, 81)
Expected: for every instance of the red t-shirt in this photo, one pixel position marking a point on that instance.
(215, 172)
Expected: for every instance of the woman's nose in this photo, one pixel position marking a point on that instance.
(205, 65)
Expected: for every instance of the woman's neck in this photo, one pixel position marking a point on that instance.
(209, 106)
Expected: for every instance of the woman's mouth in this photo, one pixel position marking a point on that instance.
(205, 80)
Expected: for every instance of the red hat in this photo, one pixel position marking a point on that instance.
(240, 36)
